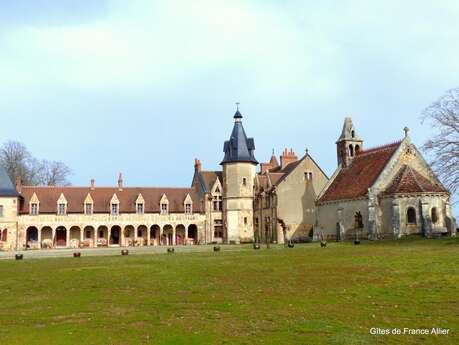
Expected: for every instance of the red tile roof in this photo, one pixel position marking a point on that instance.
(408, 180)
(210, 177)
(354, 181)
(102, 196)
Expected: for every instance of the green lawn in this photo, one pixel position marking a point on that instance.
(304, 295)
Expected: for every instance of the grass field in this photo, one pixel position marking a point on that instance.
(304, 295)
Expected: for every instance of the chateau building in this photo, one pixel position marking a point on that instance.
(384, 192)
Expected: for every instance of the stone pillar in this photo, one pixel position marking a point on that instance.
(39, 238)
(160, 236)
(53, 235)
(373, 226)
(426, 220)
(186, 235)
(67, 237)
(148, 237)
(95, 237)
(122, 239)
(396, 219)
(81, 236)
(109, 233)
(174, 239)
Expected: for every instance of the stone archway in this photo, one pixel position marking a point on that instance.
(115, 236)
(168, 233)
(32, 237)
(129, 235)
(61, 237)
(142, 235)
(75, 236)
(155, 231)
(180, 236)
(46, 237)
(89, 236)
(193, 234)
(102, 236)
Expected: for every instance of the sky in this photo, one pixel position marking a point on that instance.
(143, 87)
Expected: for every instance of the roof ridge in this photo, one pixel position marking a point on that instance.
(379, 148)
(413, 172)
(102, 187)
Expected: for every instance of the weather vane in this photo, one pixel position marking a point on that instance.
(237, 105)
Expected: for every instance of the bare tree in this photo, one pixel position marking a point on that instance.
(18, 162)
(443, 146)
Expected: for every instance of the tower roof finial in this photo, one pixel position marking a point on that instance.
(237, 115)
(406, 130)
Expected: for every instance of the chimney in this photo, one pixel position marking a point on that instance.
(287, 158)
(197, 165)
(120, 182)
(93, 184)
(19, 184)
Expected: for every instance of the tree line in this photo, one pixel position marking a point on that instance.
(20, 163)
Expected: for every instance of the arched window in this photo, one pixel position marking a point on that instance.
(353, 133)
(434, 215)
(357, 149)
(351, 150)
(411, 216)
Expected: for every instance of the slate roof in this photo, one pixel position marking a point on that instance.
(354, 181)
(408, 180)
(102, 196)
(239, 148)
(6, 186)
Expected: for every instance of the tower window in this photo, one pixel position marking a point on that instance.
(351, 150)
(308, 175)
(245, 220)
(357, 149)
(353, 133)
(244, 181)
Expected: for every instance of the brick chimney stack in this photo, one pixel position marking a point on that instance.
(120, 182)
(197, 165)
(287, 158)
(93, 184)
(19, 184)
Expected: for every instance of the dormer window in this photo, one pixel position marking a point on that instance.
(34, 209)
(114, 210)
(61, 209)
(164, 205)
(188, 209)
(140, 208)
(164, 209)
(88, 209)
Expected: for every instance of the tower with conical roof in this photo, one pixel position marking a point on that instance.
(239, 171)
(348, 144)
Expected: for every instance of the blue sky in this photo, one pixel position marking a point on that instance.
(144, 87)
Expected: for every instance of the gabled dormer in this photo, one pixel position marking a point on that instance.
(164, 205)
(188, 204)
(140, 204)
(62, 205)
(34, 205)
(114, 205)
(88, 205)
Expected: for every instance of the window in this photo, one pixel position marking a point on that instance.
(217, 200)
(115, 209)
(256, 222)
(139, 233)
(88, 209)
(244, 181)
(434, 215)
(140, 208)
(163, 208)
(245, 220)
(88, 233)
(411, 216)
(34, 209)
(353, 133)
(351, 150)
(188, 209)
(358, 220)
(61, 209)
(218, 228)
(308, 175)
(101, 233)
(1, 210)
